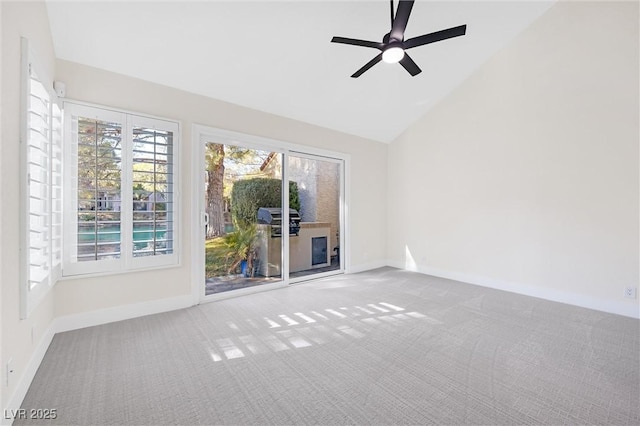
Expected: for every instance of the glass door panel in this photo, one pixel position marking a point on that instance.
(315, 247)
(242, 185)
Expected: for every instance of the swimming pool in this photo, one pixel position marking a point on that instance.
(111, 234)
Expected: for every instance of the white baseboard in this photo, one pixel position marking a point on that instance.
(354, 269)
(82, 320)
(15, 401)
(611, 306)
(119, 313)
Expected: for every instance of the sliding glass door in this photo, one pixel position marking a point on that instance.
(315, 247)
(269, 215)
(241, 182)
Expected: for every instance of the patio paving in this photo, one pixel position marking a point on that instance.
(233, 282)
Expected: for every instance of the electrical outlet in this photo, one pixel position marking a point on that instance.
(9, 371)
(630, 292)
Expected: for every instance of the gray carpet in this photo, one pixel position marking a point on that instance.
(382, 347)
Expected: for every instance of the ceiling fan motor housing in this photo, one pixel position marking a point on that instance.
(387, 39)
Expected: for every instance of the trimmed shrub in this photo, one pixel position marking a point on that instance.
(248, 195)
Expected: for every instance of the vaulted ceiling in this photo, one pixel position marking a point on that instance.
(276, 56)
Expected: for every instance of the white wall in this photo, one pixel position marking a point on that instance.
(2, 390)
(28, 19)
(526, 177)
(368, 179)
(100, 299)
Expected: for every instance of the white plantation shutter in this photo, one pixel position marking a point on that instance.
(41, 141)
(153, 189)
(93, 190)
(120, 209)
(56, 190)
(38, 180)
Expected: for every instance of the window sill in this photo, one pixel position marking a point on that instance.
(118, 272)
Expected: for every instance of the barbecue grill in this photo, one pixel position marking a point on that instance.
(273, 216)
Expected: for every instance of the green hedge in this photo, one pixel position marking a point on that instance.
(250, 194)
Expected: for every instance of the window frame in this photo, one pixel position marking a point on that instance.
(127, 262)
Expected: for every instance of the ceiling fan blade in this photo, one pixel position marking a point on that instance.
(356, 42)
(368, 65)
(410, 66)
(401, 19)
(433, 37)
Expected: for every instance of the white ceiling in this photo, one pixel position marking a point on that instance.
(276, 56)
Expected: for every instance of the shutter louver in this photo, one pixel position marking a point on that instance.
(99, 164)
(41, 185)
(39, 181)
(56, 191)
(153, 205)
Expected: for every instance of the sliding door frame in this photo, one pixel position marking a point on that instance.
(202, 134)
(341, 205)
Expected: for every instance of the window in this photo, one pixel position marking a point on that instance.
(41, 184)
(120, 201)
(153, 206)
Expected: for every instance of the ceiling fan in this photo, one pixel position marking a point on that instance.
(393, 46)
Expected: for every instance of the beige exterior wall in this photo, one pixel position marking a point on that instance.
(328, 199)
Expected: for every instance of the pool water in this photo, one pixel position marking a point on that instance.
(112, 234)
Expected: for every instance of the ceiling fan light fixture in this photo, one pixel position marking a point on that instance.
(393, 54)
